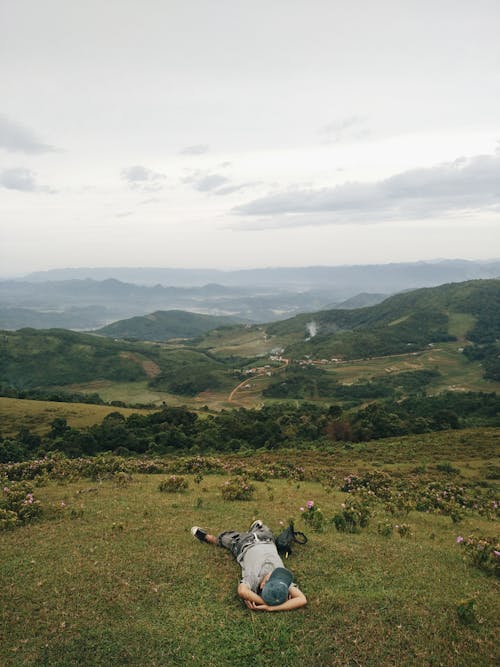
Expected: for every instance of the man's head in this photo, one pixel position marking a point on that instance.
(275, 589)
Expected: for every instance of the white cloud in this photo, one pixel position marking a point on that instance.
(466, 184)
(17, 138)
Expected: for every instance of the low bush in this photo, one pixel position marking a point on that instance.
(238, 488)
(354, 516)
(313, 517)
(18, 505)
(482, 552)
(173, 484)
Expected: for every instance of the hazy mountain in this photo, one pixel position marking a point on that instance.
(89, 304)
(258, 295)
(359, 301)
(346, 280)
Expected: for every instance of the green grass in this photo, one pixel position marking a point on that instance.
(38, 415)
(124, 583)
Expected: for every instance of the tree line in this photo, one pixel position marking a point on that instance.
(177, 430)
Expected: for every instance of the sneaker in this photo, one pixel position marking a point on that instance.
(256, 525)
(199, 533)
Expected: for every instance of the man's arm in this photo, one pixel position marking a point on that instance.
(248, 595)
(297, 599)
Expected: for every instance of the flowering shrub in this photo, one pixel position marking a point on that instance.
(122, 479)
(313, 516)
(385, 528)
(399, 504)
(377, 482)
(355, 515)
(404, 529)
(466, 610)
(173, 484)
(18, 505)
(238, 488)
(483, 552)
(8, 519)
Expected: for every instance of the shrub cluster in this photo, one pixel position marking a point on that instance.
(313, 517)
(18, 505)
(354, 515)
(238, 488)
(482, 552)
(173, 484)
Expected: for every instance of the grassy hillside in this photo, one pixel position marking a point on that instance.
(32, 358)
(402, 323)
(450, 331)
(163, 325)
(110, 575)
(38, 415)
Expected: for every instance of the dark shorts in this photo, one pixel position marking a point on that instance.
(238, 542)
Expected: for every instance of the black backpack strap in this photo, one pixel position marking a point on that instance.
(299, 537)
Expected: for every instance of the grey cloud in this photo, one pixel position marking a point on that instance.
(142, 178)
(205, 182)
(210, 182)
(462, 185)
(229, 189)
(345, 129)
(19, 179)
(198, 149)
(17, 138)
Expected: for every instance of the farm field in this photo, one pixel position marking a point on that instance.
(115, 577)
(458, 373)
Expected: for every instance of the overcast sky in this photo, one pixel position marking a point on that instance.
(236, 133)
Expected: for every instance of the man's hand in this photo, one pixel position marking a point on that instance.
(257, 607)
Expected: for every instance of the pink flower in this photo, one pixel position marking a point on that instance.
(460, 539)
(310, 504)
(496, 553)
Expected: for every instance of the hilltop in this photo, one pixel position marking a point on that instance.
(163, 325)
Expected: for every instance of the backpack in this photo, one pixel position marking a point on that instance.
(285, 539)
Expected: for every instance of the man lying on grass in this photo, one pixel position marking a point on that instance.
(265, 584)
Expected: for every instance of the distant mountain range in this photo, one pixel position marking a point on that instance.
(90, 298)
(385, 278)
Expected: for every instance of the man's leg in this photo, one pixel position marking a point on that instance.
(202, 535)
(229, 539)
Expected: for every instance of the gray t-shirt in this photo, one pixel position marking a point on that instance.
(256, 561)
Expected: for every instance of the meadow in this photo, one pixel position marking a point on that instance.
(111, 575)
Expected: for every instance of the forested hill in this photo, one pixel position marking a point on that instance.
(468, 313)
(402, 323)
(163, 325)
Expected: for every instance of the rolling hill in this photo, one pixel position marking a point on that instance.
(402, 323)
(164, 325)
(453, 329)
